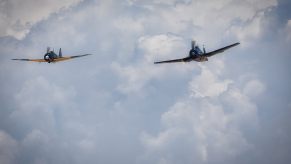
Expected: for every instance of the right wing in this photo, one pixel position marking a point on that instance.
(69, 57)
(33, 60)
(173, 61)
(220, 50)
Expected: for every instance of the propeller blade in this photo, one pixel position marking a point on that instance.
(48, 49)
(193, 44)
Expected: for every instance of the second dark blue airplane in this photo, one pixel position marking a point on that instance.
(196, 54)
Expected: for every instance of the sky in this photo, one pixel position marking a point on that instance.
(116, 106)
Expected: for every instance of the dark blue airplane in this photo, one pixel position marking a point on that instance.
(196, 54)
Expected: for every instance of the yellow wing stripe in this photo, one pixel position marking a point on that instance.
(33, 60)
(61, 59)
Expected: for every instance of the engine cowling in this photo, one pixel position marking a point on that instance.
(192, 53)
(47, 57)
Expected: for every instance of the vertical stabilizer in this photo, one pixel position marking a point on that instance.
(60, 53)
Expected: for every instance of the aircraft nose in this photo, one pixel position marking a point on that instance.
(46, 57)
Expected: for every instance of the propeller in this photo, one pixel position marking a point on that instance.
(193, 42)
(204, 51)
(48, 49)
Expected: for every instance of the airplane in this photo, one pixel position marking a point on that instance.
(195, 54)
(52, 57)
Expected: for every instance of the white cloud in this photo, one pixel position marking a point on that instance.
(158, 47)
(18, 16)
(201, 127)
(128, 25)
(249, 31)
(38, 101)
(211, 126)
(254, 88)
(8, 148)
(212, 19)
(288, 30)
(35, 138)
(208, 85)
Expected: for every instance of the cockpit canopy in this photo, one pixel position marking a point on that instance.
(198, 50)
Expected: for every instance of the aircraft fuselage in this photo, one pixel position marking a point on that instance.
(50, 56)
(197, 55)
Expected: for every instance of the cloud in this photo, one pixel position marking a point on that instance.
(208, 127)
(17, 17)
(288, 30)
(37, 103)
(8, 148)
(207, 85)
(160, 46)
(241, 20)
(136, 76)
(254, 88)
(117, 106)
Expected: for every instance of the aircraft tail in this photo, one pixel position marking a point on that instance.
(60, 53)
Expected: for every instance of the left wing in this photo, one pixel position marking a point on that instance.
(68, 58)
(220, 50)
(33, 60)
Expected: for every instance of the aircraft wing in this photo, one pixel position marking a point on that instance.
(33, 60)
(55, 60)
(173, 61)
(220, 50)
(69, 57)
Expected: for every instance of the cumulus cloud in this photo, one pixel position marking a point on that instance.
(17, 16)
(254, 88)
(161, 46)
(242, 20)
(207, 85)
(117, 106)
(157, 47)
(8, 148)
(209, 128)
(288, 30)
(38, 102)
